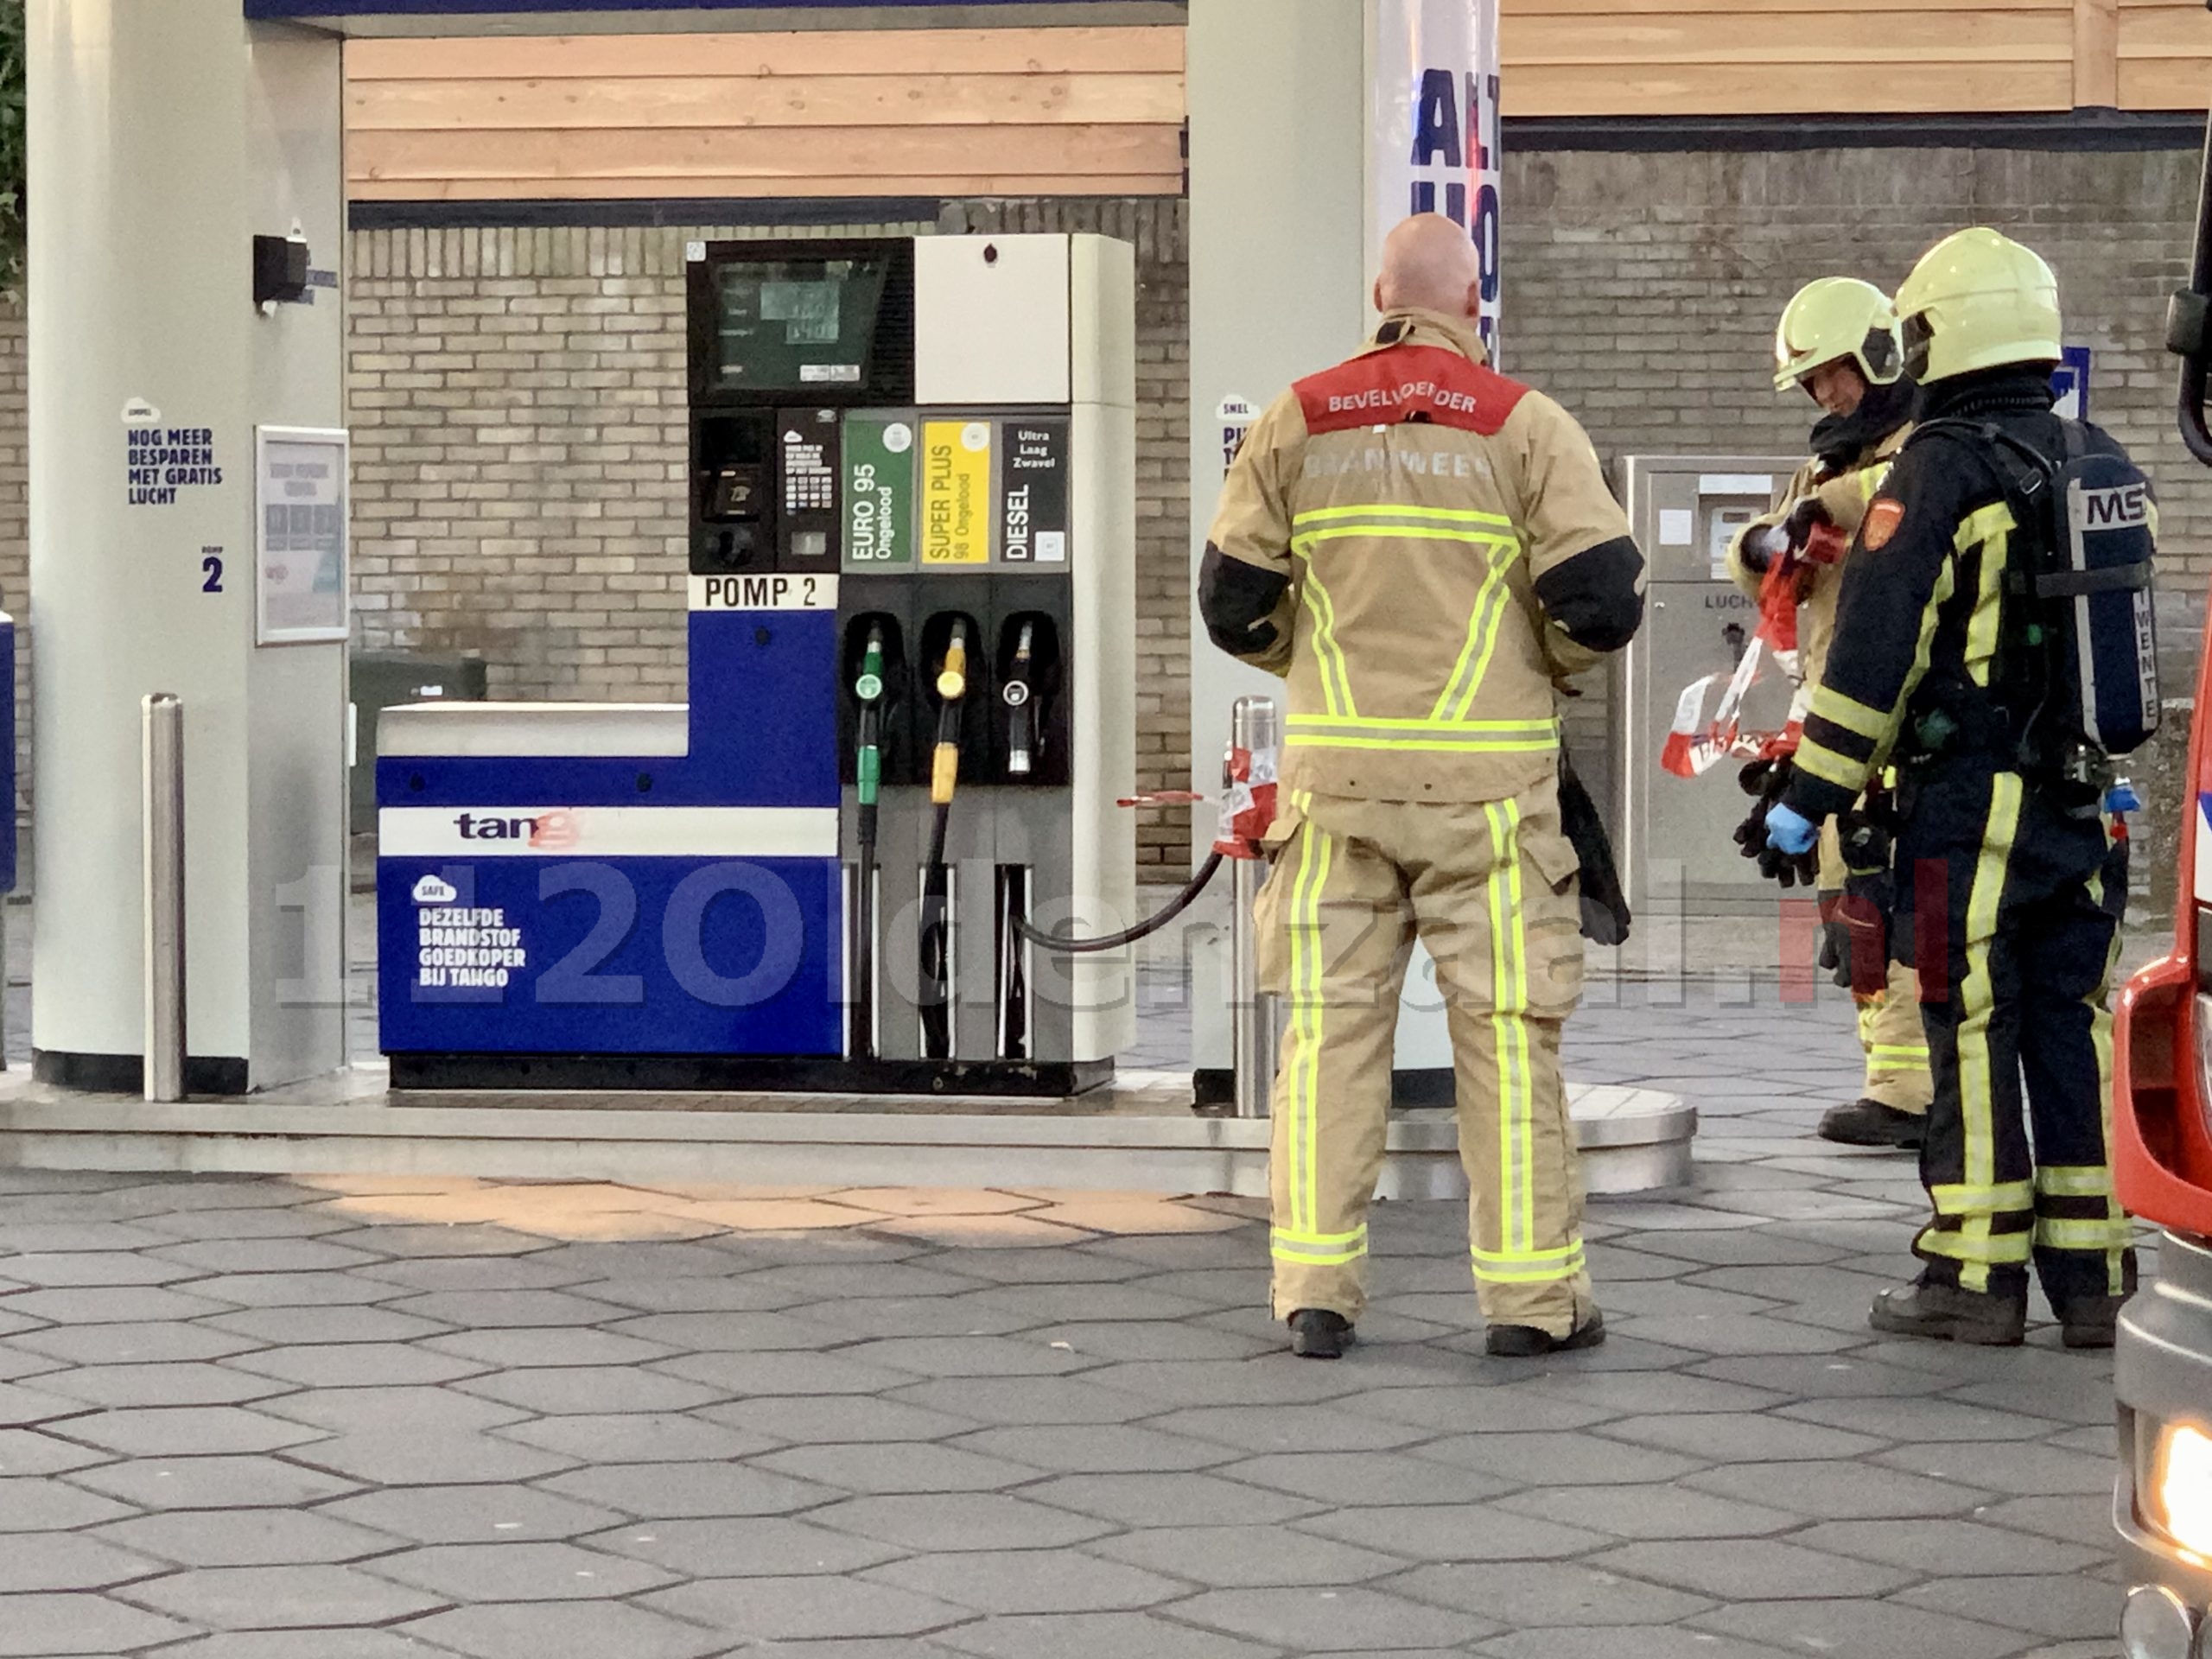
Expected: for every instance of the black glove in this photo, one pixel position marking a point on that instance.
(1803, 517)
(1835, 938)
(1604, 906)
(1764, 780)
(1863, 836)
(2115, 876)
(1870, 897)
(1791, 869)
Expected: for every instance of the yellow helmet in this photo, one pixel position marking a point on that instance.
(1976, 300)
(1833, 318)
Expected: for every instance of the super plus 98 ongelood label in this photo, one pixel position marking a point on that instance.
(956, 492)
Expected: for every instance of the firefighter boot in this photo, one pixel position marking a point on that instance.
(1533, 1342)
(1867, 1123)
(1941, 1312)
(2091, 1322)
(1317, 1333)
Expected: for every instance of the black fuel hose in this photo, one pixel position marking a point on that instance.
(1145, 928)
(936, 1010)
(867, 773)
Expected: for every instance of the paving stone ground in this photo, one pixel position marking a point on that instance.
(354, 1419)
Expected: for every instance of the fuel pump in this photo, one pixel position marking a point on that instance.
(910, 488)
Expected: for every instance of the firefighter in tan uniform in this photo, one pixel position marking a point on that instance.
(1838, 338)
(1421, 548)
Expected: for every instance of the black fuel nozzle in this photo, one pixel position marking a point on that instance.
(1020, 697)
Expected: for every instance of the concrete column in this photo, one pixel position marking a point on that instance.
(163, 137)
(1279, 94)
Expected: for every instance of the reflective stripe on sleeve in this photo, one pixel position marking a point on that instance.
(1830, 704)
(1829, 766)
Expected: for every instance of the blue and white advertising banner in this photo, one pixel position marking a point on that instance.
(2070, 383)
(1432, 125)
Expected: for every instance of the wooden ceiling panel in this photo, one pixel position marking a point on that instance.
(804, 54)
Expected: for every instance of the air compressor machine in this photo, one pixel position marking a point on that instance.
(911, 692)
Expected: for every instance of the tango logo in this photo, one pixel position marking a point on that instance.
(552, 832)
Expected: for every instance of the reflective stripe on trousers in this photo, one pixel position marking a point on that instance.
(1353, 884)
(2015, 946)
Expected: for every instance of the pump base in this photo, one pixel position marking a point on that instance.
(646, 1076)
(1213, 1088)
(125, 1074)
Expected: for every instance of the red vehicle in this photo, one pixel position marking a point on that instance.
(2162, 1158)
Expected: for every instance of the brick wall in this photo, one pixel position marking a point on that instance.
(1642, 289)
(518, 412)
(518, 404)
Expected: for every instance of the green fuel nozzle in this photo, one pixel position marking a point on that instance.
(868, 780)
(869, 688)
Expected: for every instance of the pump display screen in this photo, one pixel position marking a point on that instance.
(794, 324)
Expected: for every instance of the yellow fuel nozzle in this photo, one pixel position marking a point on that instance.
(952, 678)
(951, 687)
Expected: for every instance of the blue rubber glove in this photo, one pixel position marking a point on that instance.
(1790, 832)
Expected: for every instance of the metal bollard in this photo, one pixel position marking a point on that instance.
(1252, 726)
(162, 782)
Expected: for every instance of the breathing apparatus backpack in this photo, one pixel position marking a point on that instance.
(2081, 639)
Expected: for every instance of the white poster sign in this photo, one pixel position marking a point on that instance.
(1432, 125)
(302, 586)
